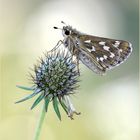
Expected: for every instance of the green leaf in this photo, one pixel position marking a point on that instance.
(47, 100)
(28, 97)
(56, 109)
(63, 105)
(25, 88)
(37, 101)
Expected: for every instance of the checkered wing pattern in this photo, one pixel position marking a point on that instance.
(107, 53)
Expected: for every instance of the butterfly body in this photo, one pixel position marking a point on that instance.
(97, 53)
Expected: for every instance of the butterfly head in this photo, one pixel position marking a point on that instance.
(67, 30)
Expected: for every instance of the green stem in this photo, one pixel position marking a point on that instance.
(40, 123)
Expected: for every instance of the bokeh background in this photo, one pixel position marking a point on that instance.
(109, 104)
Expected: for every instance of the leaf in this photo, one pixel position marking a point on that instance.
(25, 88)
(28, 97)
(47, 100)
(37, 101)
(63, 105)
(56, 109)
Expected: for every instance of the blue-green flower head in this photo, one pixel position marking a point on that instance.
(56, 75)
(55, 78)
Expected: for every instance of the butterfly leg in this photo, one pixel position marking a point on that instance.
(75, 52)
(77, 63)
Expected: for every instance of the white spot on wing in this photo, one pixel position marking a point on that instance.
(106, 48)
(102, 43)
(120, 50)
(112, 54)
(93, 49)
(101, 58)
(105, 57)
(117, 43)
(97, 58)
(87, 41)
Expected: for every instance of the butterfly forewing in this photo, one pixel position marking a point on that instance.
(108, 53)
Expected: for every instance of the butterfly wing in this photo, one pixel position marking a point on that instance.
(90, 62)
(107, 53)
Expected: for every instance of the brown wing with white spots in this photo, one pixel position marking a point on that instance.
(108, 52)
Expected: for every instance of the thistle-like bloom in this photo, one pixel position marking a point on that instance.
(55, 79)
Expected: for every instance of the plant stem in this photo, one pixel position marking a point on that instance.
(40, 123)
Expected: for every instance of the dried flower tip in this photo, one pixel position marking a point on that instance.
(70, 108)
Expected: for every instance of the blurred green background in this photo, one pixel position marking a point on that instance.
(109, 104)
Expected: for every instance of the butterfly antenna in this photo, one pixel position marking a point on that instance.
(63, 22)
(60, 28)
(57, 28)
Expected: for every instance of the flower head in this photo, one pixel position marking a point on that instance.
(55, 78)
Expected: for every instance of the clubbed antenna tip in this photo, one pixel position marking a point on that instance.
(63, 22)
(55, 27)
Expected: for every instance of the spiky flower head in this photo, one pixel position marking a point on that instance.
(55, 78)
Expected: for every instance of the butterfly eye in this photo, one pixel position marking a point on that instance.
(67, 32)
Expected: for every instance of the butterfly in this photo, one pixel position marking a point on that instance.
(98, 53)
